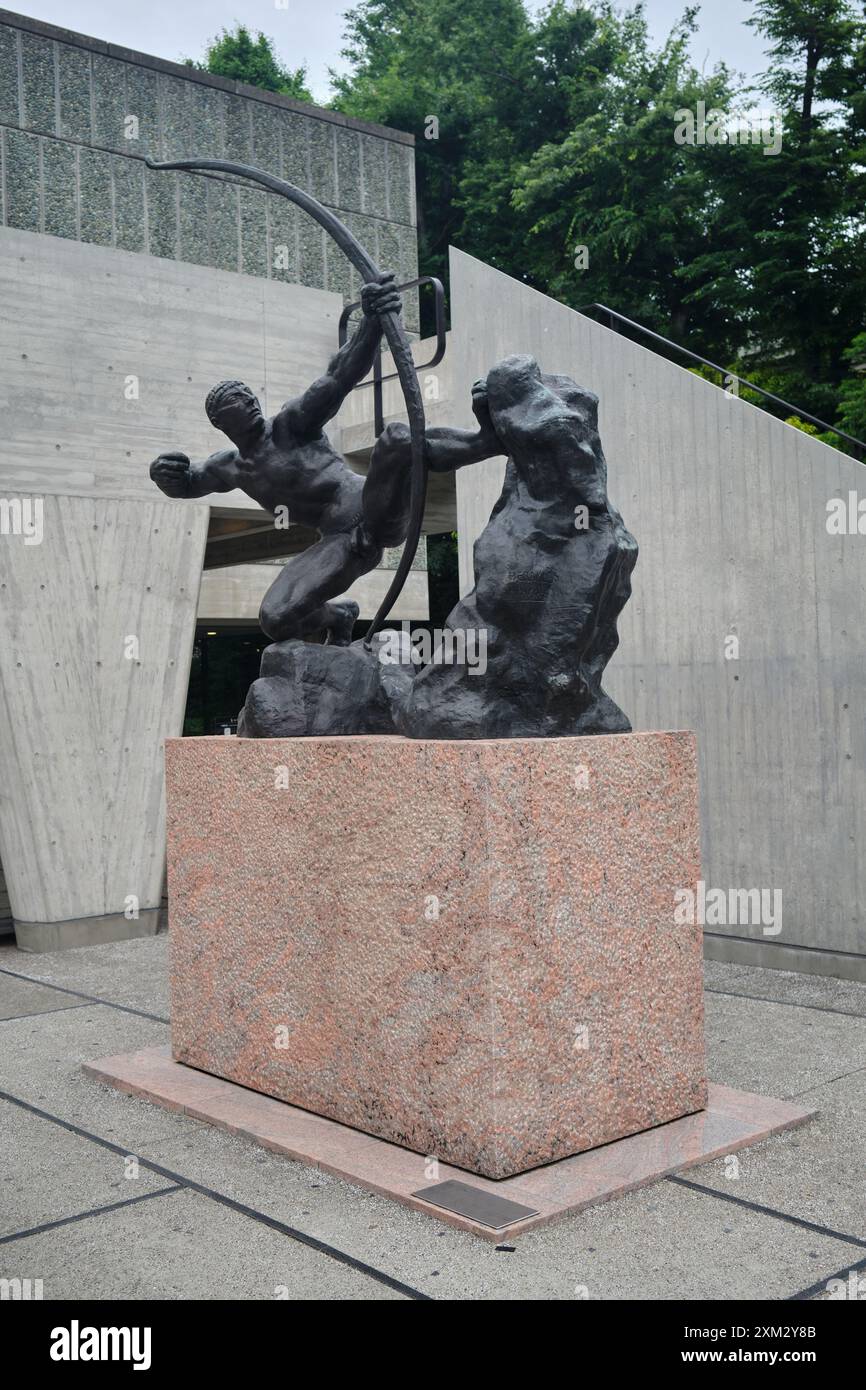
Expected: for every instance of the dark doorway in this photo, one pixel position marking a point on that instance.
(225, 662)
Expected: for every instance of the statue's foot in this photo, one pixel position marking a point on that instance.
(342, 618)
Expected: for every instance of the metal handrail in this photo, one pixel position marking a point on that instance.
(725, 374)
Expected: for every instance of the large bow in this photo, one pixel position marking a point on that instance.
(398, 342)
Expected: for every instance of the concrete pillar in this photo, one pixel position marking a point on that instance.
(108, 358)
(97, 620)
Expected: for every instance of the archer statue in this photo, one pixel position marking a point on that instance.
(288, 462)
(552, 567)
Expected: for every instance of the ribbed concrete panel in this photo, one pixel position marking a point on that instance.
(729, 507)
(96, 629)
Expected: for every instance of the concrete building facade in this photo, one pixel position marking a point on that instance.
(125, 294)
(78, 117)
(745, 619)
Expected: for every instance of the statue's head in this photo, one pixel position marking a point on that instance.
(512, 379)
(233, 408)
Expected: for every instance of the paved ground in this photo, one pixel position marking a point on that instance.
(206, 1215)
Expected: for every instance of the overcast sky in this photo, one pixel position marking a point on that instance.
(309, 32)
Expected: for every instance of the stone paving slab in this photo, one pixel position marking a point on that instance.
(787, 987)
(755, 1045)
(40, 1064)
(21, 998)
(669, 1242)
(48, 1174)
(180, 1245)
(819, 1175)
(130, 973)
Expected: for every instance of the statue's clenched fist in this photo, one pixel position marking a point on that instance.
(381, 297)
(171, 473)
(481, 406)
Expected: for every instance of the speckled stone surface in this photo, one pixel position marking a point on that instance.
(59, 188)
(9, 107)
(37, 70)
(465, 948)
(129, 231)
(77, 171)
(97, 216)
(21, 178)
(74, 91)
(109, 102)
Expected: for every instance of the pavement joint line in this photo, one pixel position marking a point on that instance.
(768, 1211)
(85, 1215)
(79, 994)
(787, 1003)
(821, 1287)
(829, 1082)
(42, 1013)
(340, 1256)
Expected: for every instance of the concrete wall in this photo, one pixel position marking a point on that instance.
(73, 163)
(6, 927)
(109, 356)
(729, 507)
(125, 294)
(96, 628)
(107, 359)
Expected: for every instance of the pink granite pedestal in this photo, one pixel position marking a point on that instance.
(467, 949)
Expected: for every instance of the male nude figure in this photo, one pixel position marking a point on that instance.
(288, 462)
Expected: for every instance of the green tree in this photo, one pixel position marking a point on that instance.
(247, 57)
(753, 258)
(556, 132)
(551, 133)
(616, 182)
(852, 392)
(804, 248)
(447, 71)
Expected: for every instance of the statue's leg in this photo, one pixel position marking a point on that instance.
(297, 604)
(386, 496)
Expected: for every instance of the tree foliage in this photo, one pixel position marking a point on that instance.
(556, 133)
(249, 57)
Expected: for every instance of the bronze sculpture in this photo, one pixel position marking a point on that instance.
(552, 568)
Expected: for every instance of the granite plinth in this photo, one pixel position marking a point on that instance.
(465, 948)
(731, 1121)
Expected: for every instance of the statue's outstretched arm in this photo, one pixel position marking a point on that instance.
(449, 449)
(306, 416)
(176, 476)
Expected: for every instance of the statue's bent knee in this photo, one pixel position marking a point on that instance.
(277, 620)
(395, 439)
